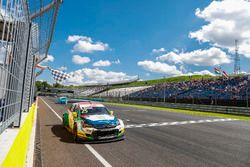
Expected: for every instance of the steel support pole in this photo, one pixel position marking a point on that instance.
(24, 76)
(31, 81)
(247, 94)
(164, 93)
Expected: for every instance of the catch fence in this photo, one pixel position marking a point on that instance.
(26, 29)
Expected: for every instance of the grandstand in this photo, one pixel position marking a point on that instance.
(184, 89)
(232, 91)
(221, 91)
(120, 92)
(88, 91)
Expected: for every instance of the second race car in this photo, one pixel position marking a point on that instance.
(62, 100)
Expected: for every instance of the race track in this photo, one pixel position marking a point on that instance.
(153, 138)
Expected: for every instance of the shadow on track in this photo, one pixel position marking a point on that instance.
(63, 134)
(66, 137)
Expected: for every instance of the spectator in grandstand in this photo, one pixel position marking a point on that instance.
(210, 89)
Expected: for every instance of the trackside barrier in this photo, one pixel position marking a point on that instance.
(17, 155)
(206, 108)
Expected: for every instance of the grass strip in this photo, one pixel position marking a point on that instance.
(191, 112)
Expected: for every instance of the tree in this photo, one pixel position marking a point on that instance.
(42, 85)
(57, 85)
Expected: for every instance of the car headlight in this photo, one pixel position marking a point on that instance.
(117, 122)
(121, 123)
(85, 125)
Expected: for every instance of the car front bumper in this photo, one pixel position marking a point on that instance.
(92, 134)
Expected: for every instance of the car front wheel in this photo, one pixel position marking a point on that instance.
(76, 139)
(63, 122)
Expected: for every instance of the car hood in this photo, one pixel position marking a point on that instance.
(100, 119)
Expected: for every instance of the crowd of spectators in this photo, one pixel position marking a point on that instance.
(202, 91)
(233, 88)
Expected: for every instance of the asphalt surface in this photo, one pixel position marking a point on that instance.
(191, 144)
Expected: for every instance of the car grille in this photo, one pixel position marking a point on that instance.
(104, 126)
(103, 134)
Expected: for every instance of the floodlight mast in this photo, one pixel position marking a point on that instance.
(236, 59)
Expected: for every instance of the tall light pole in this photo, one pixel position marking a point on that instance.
(248, 82)
(164, 93)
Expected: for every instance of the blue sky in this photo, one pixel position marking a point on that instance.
(124, 33)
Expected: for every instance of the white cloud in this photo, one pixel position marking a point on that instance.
(63, 68)
(162, 68)
(227, 21)
(158, 67)
(105, 63)
(76, 59)
(176, 50)
(203, 72)
(95, 76)
(183, 68)
(50, 58)
(210, 57)
(75, 38)
(116, 61)
(77, 78)
(157, 51)
(86, 44)
(102, 63)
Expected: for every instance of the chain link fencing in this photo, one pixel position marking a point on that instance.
(26, 29)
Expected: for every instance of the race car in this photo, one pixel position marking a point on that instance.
(62, 100)
(92, 121)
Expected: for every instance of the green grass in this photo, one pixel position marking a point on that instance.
(190, 112)
(162, 80)
(153, 82)
(157, 81)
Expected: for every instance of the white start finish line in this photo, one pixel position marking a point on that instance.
(178, 123)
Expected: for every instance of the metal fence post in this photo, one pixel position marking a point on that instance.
(24, 72)
(31, 81)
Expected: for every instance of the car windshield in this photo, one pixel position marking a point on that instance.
(95, 111)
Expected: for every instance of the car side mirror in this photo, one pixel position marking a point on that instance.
(111, 112)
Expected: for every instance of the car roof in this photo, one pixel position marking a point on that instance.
(89, 104)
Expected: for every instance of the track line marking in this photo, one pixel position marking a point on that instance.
(97, 155)
(89, 147)
(179, 123)
(58, 116)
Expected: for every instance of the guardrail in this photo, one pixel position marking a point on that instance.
(206, 108)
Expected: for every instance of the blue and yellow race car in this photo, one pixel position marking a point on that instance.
(91, 121)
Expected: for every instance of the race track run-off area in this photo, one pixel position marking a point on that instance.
(152, 138)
